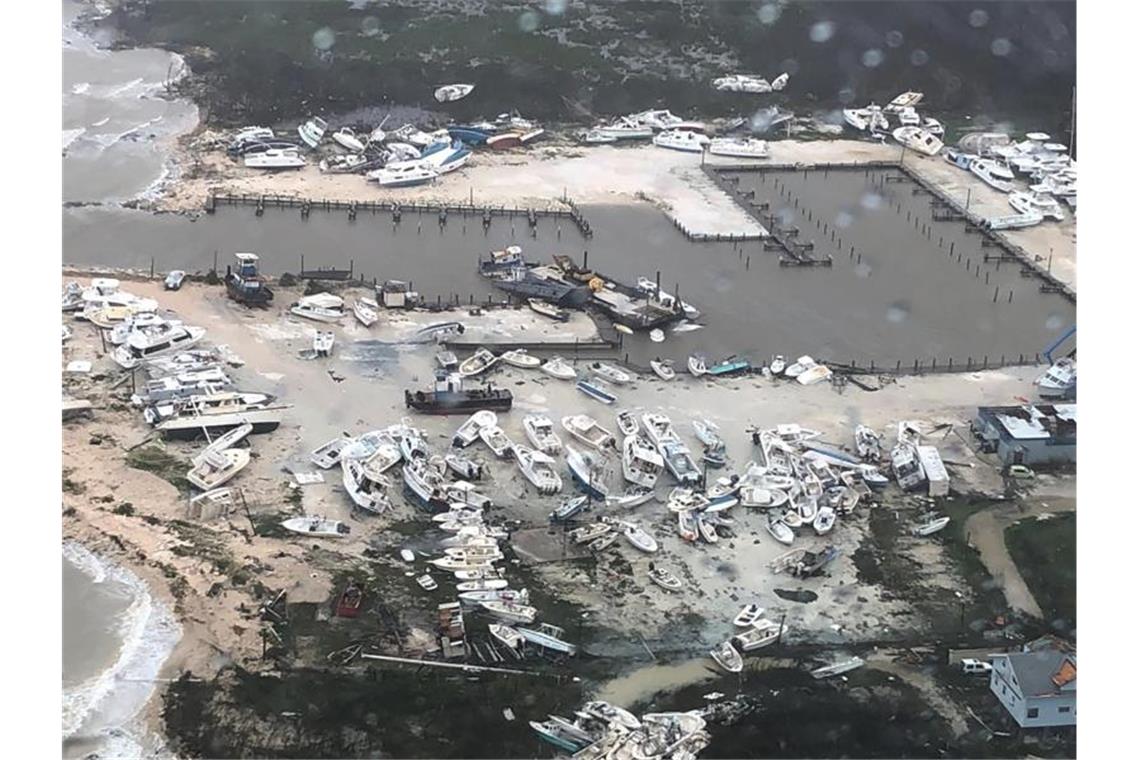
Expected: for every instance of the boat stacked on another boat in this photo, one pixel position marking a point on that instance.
(468, 432)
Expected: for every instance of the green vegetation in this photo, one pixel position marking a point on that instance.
(1045, 552)
(165, 465)
(126, 509)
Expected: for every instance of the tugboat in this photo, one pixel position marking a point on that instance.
(245, 285)
(449, 397)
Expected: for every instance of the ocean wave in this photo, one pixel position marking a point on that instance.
(148, 631)
(71, 135)
(80, 88)
(102, 121)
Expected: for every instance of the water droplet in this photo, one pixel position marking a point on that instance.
(894, 38)
(871, 201)
(370, 26)
(554, 7)
(919, 57)
(979, 18)
(785, 215)
(528, 21)
(768, 13)
(872, 58)
(844, 219)
(722, 283)
(791, 66)
(898, 312)
(1054, 322)
(822, 31)
(324, 38)
(1001, 47)
(863, 269)
(847, 96)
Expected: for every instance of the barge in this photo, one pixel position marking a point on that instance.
(450, 397)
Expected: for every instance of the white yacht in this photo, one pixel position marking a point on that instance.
(908, 117)
(312, 131)
(905, 100)
(275, 158)
(452, 92)
(749, 83)
(640, 462)
(657, 120)
(1039, 203)
(681, 139)
(918, 140)
(738, 147)
(321, 307)
(1058, 381)
(215, 413)
(348, 140)
(142, 346)
(992, 173)
(403, 174)
(622, 129)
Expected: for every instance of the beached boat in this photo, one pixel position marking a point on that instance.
(468, 432)
(366, 491)
(779, 530)
(346, 163)
(587, 430)
(603, 543)
(639, 538)
(665, 579)
(504, 141)
(323, 341)
(622, 129)
(452, 92)
(347, 139)
(520, 358)
(505, 635)
(316, 526)
(548, 636)
(214, 468)
(274, 159)
(540, 431)
(426, 582)
(749, 83)
(594, 390)
(215, 413)
(698, 366)
(426, 484)
(478, 363)
(143, 347)
(867, 443)
(1059, 381)
(641, 463)
(666, 299)
(761, 634)
(931, 527)
(538, 468)
(447, 360)
(463, 565)
(569, 507)
(386, 456)
(681, 139)
(321, 307)
(748, 616)
(824, 520)
(687, 527)
(918, 139)
(663, 369)
(838, 668)
(365, 315)
(496, 440)
(312, 131)
(547, 309)
(727, 657)
(1037, 203)
(465, 493)
(588, 533)
(627, 422)
(558, 368)
(611, 373)
(588, 470)
(515, 613)
(634, 497)
(814, 374)
(738, 147)
(992, 173)
(450, 396)
(497, 586)
(706, 528)
(708, 433)
(403, 174)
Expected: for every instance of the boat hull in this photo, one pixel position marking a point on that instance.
(458, 402)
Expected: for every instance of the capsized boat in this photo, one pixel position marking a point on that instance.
(727, 657)
(634, 497)
(749, 83)
(708, 433)
(844, 666)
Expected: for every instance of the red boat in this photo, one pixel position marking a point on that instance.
(504, 141)
(350, 601)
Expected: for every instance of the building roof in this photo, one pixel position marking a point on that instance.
(1036, 422)
(1044, 672)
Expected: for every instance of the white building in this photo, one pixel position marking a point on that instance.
(1038, 685)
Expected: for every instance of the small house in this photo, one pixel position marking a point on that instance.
(1038, 685)
(1031, 435)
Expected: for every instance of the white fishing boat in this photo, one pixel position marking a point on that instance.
(748, 616)
(496, 440)
(681, 139)
(214, 468)
(611, 373)
(659, 430)
(657, 119)
(824, 520)
(468, 432)
(485, 585)
(838, 668)
(548, 636)
(323, 342)
(547, 309)
(538, 468)
(312, 131)
(751, 495)
(918, 140)
(478, 363)
(540, 432)
(148, 323)
(386, 456)
(364, 313)
(698, 366)
(814, 374)
(1037, 203)
(727, 657)
(343, 163)
(627, 422)
(663, 369)
(365, 491)
(634, 497)
(426, 582)
(598, 137)
(665, 579)
(558, 368)
(520, 358)
(738, 147)
(639, 538)
(801, 365)
(452, 92)
(347, 139)
(274, 159)
(706, 528)
(320, 307)
(588, 469)
(908, 117)
(931, 527)
(569, 507)
(588, 533)
(780, 82)
(749, 83)
(219, 502)
(708, 433)
(1013, 221)
(1058, 381)
(506, 635)
(761, 634)
(908, 99)
(316, 526)
(143, 346)
(641, 463)
(992, 173)
(587, 430)
(426, 483)
(622, 129)
(402, 174)
(857, 118)
(779, 529)
(515, 613)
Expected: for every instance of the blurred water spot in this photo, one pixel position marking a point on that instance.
(768, 13)
(872, 57)
(1054, 322)
(898, 312)
(785, 215)
(844, 219)
(919, 57)
(324, 38)
(846, 95)
(831, 117)
(1001, 47)
(528, 21)
(554, 7)
(762, 119)
(979, 18)
(822, 31)
(953, 83)
(370, 26)
(871, 201)
(894, 38)
(722, 283)
(863, 269)
(791, 66)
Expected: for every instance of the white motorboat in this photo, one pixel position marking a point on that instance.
(779, 529)
(146, 322)
(1059, 380)
(824, 520)
(931, 527)
(992, 173)
(426, 483)
(749, 83)
(687, 526)
(681, 139)
(814, 374)
(665, 579)
(639, 538)
(468, 432)
(316, 526)
(558, 368)
(838, 668)
(478, 363)
(451, 157)
(365, 492)
(320, 307)
(347, 139)
(663, 369)
(634, 497)
(698, 365)
(505, 635)
(312, 131)
(918, 140)
(867, 443)
(857, 118)
(641, 463)
(588, 469)
(401, 153)
(908, 117)
(588, 533)
(452, 92)
(801, 365)
(540, 431)
(611, 373)
(933, 126)
(547, 309)
(587, 430)
(496, 440)
(706, 528)
(659, 430)
(515, 613)
(488, 584)
(708, 433)
(665, 298)
(403, 175)
(343, 163)
(214, 468)
(1037, 203)
(727, 657)
(761, 634)
(426, 582)
(626, 422)
(657, 119)
(386, 456)
(213, 413)
(463, 492)
(759, 496)
(538, 469)
(748, 616)
(907, 99)
(365, 314)
(143, 347)
(738, 147)
(323, 341)
(274, 158)
(622, 129)
(520, 358)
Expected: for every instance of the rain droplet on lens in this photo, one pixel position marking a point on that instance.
(871, 201)
(846, 95)
(324, 38)
(791, 66)
(872, 57)
(722, 283)
(822, 31)
(786, 215)
(979, 18)
(898, 312)
(1001, 47)
(554, 7)
(919, 57)
(894, 38)
(843, 219)
(370, 26)
(768, 13)
(863, 269)
(1054, 322)
(528, 21)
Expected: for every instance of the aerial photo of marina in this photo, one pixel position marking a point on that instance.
(558, 378)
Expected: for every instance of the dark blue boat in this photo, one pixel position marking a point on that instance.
(468, 135)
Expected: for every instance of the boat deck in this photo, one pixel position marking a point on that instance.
(639, 313)
(536, 546)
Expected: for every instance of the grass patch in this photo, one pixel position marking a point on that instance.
(1045, 552)
(154, 459)
(126, 509)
